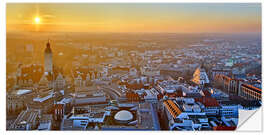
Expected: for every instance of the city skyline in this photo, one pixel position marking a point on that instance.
(155, 67)
(135, 17)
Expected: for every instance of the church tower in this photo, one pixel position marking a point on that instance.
(48, 62)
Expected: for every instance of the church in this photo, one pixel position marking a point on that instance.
(46, 76)
(200, 76)
(53, 76)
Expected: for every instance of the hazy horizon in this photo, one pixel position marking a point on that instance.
(134, 17)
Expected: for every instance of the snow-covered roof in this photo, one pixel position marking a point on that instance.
(65, 100)
(23, 91)
(39, 99)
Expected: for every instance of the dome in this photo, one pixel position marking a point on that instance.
(123, 116)
(48, 48)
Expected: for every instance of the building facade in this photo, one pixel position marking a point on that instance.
(48, 59)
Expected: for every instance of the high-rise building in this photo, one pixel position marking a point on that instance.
(48, 56)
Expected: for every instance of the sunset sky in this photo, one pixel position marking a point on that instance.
(135, 17)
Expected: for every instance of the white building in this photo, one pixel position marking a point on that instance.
(151, 95)
(228, 109)
(48, 59)
(169, 86)
(85, 114)
(191, 118)
(60, 81)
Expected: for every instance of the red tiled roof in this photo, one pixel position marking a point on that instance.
(226, 77)
(224, 128)
(207, 93)
(251, 86)
(208, 101)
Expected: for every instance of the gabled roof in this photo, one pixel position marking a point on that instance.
(252, 87)
(200, 76)
(172, 108)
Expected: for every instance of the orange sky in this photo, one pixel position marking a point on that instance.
(134, 17)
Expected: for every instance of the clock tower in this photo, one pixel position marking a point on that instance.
(48, 62)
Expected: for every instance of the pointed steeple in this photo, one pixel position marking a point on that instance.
(48, 43)
(48, 47)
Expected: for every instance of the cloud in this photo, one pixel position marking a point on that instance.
(48, 16)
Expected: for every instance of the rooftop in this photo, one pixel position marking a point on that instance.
(172, 108)
(123, 115)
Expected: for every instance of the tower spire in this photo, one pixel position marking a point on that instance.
(48, 63)
(48, 43)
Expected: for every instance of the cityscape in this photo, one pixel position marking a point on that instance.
(154, 80)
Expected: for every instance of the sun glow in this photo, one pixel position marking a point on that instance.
(37, 20)
(170, 18)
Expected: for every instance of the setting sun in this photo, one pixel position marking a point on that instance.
(178, 18)
(37, 20)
